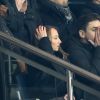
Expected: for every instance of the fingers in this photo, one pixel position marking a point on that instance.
(97, 37)
(22, 66)
(3, 8)
(41, 32)
(41, 29)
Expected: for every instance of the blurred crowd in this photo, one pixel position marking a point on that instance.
(63, 28)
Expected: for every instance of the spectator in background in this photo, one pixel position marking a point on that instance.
(1, 76)
(50, 42)
(21, 19)
(77, 6)
(57, 13)
(5, 30)
(84, 7)
(84, 49)
(96, 1)
(93, 6)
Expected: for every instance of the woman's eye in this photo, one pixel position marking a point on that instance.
(93, 29)
(55, 38)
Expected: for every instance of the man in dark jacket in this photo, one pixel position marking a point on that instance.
(84, 49)
(92, 6)
(57, 13)
(21, 19)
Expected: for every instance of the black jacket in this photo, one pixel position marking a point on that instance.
(54, 15)
(85, 56)
(5, 30)
(85, 8)
(22, 25)
(45, 45)
(37, 78)
(90, 8)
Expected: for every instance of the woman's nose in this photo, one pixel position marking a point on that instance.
(60, 41)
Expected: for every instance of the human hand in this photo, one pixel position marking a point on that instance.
(22, 66)
(41, 32)
(97, 37)
(3, 10)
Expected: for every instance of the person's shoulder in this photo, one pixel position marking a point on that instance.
(73, 41)
(73, 44)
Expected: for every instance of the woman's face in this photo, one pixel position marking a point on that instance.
(54, 38)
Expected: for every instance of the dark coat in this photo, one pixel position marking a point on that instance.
(37, 78)
(80, 9)
(5, 30)
(87, 57)
(91, 8)
(3, 57)
(77, 8)
(51, 15)
(90, 55)
(22, 25)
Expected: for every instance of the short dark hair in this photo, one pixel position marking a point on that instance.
(85, 19)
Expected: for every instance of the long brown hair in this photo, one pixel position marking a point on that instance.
(64, 54)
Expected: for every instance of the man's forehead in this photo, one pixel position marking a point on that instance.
(94, 23)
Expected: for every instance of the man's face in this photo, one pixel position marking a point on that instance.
(60, 2)
(91, 30)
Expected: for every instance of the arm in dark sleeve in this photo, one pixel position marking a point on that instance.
(80, 59)
(45, 45)
(5, 29)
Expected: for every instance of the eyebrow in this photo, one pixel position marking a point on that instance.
(94, 27)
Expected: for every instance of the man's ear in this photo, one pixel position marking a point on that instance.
(82, 34)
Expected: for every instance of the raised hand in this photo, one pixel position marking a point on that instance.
(3, 10)
(41, 32)
(97, 37)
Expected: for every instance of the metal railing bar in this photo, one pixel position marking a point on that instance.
(33, 63)
(50, 72)
(50, 57)
(86, 88)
